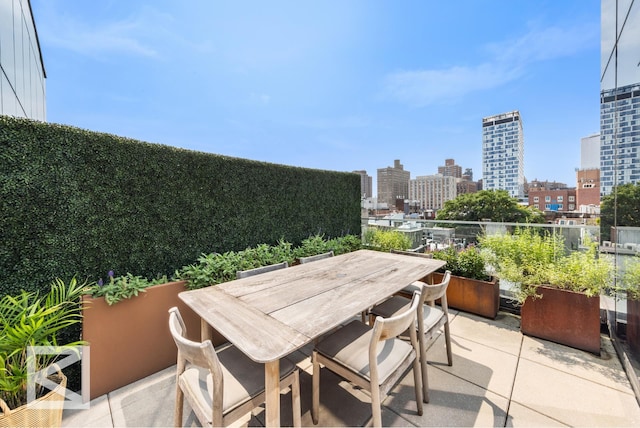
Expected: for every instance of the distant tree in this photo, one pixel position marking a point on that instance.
(495, 205)
(628, 212)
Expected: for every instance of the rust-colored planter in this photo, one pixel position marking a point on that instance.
(472, 295)
(130, 340)
(633, 325)
(564, 317)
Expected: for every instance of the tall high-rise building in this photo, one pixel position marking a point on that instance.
(590, 152)
(620, 136)
(619, 94)
(22, 74)
(393, 183)
(450, 169)
(503, 153)
(432, 191)
(366, 184)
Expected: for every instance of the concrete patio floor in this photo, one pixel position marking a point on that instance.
(499, 378)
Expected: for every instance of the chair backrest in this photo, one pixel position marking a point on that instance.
(412, 253)
(432, 292)
(310, 259)
(388, 328)
(201, 354)
(251, 272)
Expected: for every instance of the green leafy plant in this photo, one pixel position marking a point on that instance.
(122, 287)
(630, 279)
(386, 240)
(318, 244)
(216, 268)
(29, 319)
(468, 262)
(529, 259)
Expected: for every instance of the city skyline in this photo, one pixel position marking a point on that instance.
(330, 85)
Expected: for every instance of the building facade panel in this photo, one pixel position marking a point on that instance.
(22, 74)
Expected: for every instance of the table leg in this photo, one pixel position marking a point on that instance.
(206, 332)
(272, 392)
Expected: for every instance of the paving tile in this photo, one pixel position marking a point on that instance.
(487, 367)
(453, 402)
(97, 415)
(520, 416)
(500, 333)
(147, 402)
(341, 404)
(572, 400)
(604, 369)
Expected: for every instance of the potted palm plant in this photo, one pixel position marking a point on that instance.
(471, 288)
(559, 292)
(30, 320)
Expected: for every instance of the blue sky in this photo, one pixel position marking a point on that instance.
(337, 85)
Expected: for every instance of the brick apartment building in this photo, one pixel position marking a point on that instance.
(588, 190)
(552, 196)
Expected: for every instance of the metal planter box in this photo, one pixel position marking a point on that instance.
(130, 339)
(564, 317)
(472, 295)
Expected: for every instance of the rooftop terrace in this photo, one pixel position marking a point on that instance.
(499, 378)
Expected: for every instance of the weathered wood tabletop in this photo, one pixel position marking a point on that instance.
(268, 316)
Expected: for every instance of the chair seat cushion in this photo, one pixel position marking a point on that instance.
(396, 304)
(243, 379)
(349, 346)
(413, 287)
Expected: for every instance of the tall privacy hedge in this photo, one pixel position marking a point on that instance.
(75, 202)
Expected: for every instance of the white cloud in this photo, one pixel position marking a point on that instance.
(506, 61)
(144, 33)
(423, 87)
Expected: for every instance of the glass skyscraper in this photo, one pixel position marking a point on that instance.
(619, 136)
(619, 94)
(503, 153)
(22, 74)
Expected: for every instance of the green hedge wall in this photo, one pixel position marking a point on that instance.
(76, 202)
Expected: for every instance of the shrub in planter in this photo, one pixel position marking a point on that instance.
(542, 271)
(122, 287)
(468, 262)
(386, 240)
(216, 268)
(470, 289)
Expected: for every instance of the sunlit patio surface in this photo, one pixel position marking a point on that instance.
(499, 378)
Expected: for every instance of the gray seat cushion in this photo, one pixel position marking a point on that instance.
(243, 379)
(413, 287)
(349, 346)
(396, 304)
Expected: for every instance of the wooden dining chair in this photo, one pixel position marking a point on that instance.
(310, 259)
(222, 386)
(430, 318)
(372, 358)
(262, 269)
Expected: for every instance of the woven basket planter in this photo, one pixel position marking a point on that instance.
(48, 412)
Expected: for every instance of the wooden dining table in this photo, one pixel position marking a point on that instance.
(268, 316)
